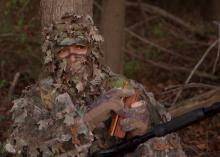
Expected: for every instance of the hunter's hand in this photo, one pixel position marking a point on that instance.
(136, 119)
(110, 102)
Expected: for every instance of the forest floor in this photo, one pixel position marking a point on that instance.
(159, 53)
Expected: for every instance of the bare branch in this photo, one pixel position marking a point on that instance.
(218, 52)
(170, 67)
(164, 13)
(196, 68)
(13, 84)
(156, 45)
(99, 7)
(203, 100)
(175, 88)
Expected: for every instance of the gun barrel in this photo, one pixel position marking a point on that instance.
(161, 130)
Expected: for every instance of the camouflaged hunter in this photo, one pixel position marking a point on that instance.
(68, 112)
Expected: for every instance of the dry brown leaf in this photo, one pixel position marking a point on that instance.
(202, 146)
(74, 132)
(60, 148)
(162, 146)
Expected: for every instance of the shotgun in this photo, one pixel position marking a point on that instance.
(161, 130)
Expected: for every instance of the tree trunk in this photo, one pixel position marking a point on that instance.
(113, 19)
(53, 10)
(216, 10)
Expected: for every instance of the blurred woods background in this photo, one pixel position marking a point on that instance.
(172, 47)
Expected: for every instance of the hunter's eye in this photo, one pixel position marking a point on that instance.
(81, 47)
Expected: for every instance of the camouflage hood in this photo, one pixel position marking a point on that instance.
(71, 30)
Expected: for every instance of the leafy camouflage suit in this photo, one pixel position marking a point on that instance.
(48, 119)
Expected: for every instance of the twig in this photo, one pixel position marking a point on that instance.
(218, 52)
(170, 67)
(192, 85)
(195, 69)
(13, 84)
(3, 70)
(191, 148)
(142, 12)
(156, 45)
(24, 6)
(6, 35)
(180, 34)
(14, 37)
(175, 88)
(164, 13)
(96, 4)
(202, 100)
(137, 24)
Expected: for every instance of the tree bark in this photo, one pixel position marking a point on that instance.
(53, 10)
(216, 10)
(113, 19)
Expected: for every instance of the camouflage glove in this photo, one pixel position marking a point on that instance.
(136, 119)
(102, 109)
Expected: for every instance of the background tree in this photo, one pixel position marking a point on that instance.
(53, 10)
(113, 19)
(216, 9)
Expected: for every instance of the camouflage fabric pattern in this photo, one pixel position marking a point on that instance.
(72, 29)
(48, 119)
